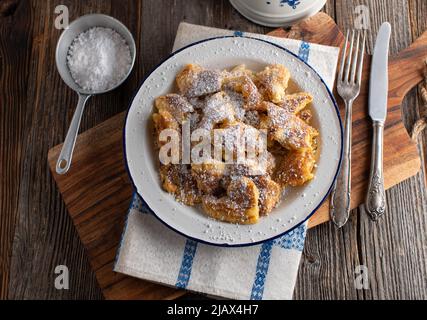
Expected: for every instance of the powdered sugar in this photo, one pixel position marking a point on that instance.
(201, 82)
(239, 185)
(216, 110)
(237, 101)
(99, 59)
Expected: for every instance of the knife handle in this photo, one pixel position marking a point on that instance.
(340, 199)
(375, 200)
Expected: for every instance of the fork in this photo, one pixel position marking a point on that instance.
(348, 86)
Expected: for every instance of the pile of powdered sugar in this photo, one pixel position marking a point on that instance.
(99, 59)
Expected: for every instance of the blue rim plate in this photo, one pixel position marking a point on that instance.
(141, 160)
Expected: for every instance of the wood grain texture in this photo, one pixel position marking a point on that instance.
(418, 26)
(43, 234)
(12, 123)
(36, 232)
(394, 249)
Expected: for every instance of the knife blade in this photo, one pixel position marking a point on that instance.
(378, 93)
(378, 83)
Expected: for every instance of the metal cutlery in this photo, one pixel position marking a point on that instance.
(348, 85)
(378, 88)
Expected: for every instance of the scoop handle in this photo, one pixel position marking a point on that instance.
(64, 161)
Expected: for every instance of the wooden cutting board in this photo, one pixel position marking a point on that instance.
(97, 190)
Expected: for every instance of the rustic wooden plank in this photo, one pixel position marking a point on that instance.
(418, 26)
(12, 95)
(44, 235)
(394, 248)
(397, 267)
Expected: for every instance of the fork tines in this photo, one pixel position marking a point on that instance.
(354, 59)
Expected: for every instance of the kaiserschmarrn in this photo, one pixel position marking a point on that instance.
(241, 105)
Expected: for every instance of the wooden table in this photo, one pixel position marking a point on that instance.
(36, 234)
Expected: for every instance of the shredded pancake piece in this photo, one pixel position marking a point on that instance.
(273, 82)
(269, 194)
(296, 168)
(246, 86)
(289, 130)
(176, 105)
(240, 205)
(178, 180)
(164, 120)
(218, 109)
(209, 176)
(296, 102)
(194, 81)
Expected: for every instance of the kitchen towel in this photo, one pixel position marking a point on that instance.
(151, 251)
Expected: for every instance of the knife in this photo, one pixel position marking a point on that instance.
(378, 90)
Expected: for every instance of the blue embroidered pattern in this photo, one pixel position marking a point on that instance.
(186, 264)
(293, 239)
(261, 270)
(138, 204)
(304, 51)
(238, 33)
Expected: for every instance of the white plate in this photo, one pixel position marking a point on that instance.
(220, 53)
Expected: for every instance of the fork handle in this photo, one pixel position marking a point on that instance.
(340, 200)
(375, 199)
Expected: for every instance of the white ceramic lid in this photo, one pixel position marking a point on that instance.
(277, 13)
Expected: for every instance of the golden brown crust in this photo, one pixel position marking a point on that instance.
(194, 81)
(164, 120)
(176, 105)
(240, 205)
(178, 180)
(209, 175)
(294, 103)
(295, 169)
(305, 116)
(269, 194)
(245, 85)
(273, 82)
(289, 130)
(241, 70)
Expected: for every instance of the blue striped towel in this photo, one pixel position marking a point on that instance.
(151, 251)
